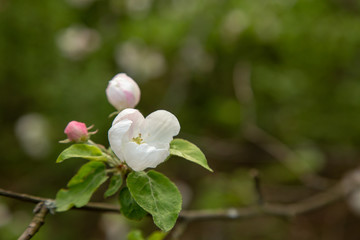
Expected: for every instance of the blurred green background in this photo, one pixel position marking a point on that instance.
(272, 85)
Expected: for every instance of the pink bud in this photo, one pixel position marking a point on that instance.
(123, 92)
(76, 131)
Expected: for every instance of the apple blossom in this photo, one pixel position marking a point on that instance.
(123, 92)
(143, 142)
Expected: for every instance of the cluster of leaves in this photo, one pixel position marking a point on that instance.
(140, 193)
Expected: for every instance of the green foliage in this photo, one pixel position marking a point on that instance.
(157, 235)
(129, 208)
(235, 189)
(157, 195)
(135, 235)
(81, 187)
(84, 151)
(227, 112)
(114, 185)
(306, 161)
(185, 149)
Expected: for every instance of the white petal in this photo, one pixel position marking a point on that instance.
(128, 113)
(129, 85)
(142, 156)
(159, 128)
(116, 97)
(133, 115)
(117, 135)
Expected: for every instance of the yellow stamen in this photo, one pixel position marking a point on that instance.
(138, 139)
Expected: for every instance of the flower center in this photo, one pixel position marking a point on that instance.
(138, 139)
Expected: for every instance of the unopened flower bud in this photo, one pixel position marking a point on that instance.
(77, 132)
(123, 92)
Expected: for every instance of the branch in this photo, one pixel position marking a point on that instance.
(310, 204)
(342, 189)
(41, 210)
(101, 207)
(255, 175)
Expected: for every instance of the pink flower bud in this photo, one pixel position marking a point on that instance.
(123, 92)
(76, 131)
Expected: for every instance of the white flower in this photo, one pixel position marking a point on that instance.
(123, 92)
(143, 142)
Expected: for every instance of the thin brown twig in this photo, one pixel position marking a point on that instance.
(310, 204)
(257, 186)
(351, 182)
(41, 210)
(101, 207)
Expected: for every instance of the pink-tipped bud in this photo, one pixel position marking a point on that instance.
(77, 131)
(123, 92)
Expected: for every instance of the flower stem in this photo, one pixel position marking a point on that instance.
(112, 159)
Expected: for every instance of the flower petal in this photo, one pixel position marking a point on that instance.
(117, 97)
(142, 156)
(128, 113)
(117, 135)
(135, 116)
(159, 128)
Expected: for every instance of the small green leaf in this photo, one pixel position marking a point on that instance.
(85, 151)
(135, 235)
(114, 185)
(129, 208)
(81, 187)
(157, 195)
(185, 149)
(157, 235)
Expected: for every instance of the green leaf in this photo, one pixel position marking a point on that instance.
(114, 185)
(135, 235)
(185, 149)
(129, 208)
(157, 235)
(157, 195)
(81, 187)
(85, 151)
